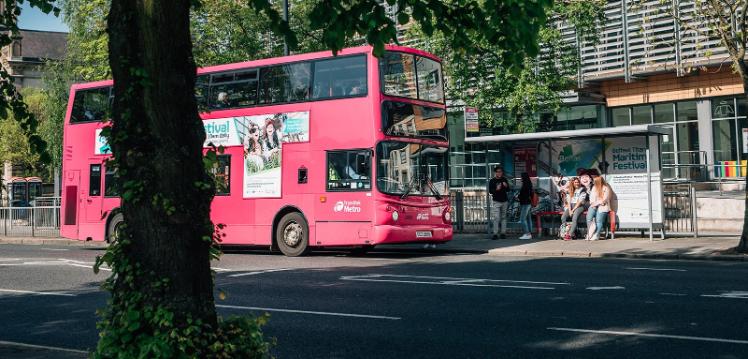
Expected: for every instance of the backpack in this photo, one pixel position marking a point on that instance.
(565, 231)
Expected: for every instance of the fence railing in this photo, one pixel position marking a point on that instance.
(37, 221)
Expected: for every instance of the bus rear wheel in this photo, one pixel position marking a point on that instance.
(114, 228)
(292, 235)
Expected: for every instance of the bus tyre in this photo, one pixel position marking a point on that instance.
(114, 227)
(292, 235)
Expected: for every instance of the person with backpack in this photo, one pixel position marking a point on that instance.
(525, 205)
(498, 187)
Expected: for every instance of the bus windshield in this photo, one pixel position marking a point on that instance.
(411, 169)
(412, 76)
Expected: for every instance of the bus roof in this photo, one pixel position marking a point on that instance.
(280, 60)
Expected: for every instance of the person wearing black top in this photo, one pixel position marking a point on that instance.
(525, 205)
(498, 187)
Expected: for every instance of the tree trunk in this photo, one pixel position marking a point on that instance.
(157, 141)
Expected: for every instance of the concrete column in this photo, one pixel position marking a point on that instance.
(706, 140)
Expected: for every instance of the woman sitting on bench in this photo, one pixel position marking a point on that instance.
(575, 203)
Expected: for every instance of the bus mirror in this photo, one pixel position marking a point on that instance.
(302, 175)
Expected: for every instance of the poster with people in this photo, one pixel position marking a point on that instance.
(262, 137)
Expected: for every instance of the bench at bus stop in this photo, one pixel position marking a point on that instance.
(581, 222)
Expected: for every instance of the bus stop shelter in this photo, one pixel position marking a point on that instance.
(628, 157)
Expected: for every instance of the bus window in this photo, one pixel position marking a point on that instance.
(340, 77)
(111, 187)
(398, 75)
(285, 83)
(222, 174)
(429, 80)
(349, 170)
(91, 105)
(94, 184)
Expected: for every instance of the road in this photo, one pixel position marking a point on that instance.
(415, 305)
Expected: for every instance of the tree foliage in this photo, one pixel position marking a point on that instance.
(513, 97)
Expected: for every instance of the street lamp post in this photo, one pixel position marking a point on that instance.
(285, 18)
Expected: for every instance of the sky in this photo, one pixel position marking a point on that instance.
(34, 19)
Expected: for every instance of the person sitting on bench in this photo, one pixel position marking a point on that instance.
(575, 203)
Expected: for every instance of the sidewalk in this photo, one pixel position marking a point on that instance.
(702, 248)
(710, 248)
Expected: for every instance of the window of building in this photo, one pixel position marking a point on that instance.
(725, 137)
(94, 180)
(349, 170)
(688, 143)
(641, 115)
(729, 120)
(221, 171)
(664, 113)
(723, 108)
(686, 111)
(620, 116)
(111, 186)
(285, 83)
(91, 105)
(345, 76)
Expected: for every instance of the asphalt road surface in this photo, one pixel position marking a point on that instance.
(412, 304)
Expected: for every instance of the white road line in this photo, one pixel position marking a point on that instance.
(59, 294)
(3, 342)
(455, 283)
(454, 279)
(658, 269)
(651, 335)
(260, 272)
(308, 312)
(735, 294)
(617, 287)
(9, 259)
(217, 269)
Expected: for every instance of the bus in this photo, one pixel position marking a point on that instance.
(319, 151)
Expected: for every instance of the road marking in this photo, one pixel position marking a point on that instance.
(3, 342)
(470, 282)
(308, 312)
(260, 272)
(60, 294)
(731, 295)
(650, 335)
(618, 287)
(658, 269)
(674, 294)
(217, 269)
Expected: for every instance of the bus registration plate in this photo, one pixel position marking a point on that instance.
(423, 234)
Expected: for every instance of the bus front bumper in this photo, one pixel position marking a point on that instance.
(411, 234)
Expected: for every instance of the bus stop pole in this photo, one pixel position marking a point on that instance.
(649, 192)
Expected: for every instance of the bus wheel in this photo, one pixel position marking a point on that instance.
(292, 235)
(114, 228)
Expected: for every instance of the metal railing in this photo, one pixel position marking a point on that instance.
(37, 221)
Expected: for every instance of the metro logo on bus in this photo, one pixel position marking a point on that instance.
(347, 206)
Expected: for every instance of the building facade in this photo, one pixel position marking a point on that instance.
(648, 68)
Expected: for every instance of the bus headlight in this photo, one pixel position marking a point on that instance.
(395, 216)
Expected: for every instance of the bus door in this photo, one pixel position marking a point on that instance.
(93, 196)
(345, 217)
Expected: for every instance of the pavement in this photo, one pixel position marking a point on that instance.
(408, 303)
(702, 248)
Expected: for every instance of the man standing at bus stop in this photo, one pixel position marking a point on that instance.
(498, 187)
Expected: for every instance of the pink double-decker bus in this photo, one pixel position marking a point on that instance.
(319, 151)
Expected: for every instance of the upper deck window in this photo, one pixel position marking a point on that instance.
(399, 75)
(285, 83)
(429, 80)
(91, 105)
(340, 77)
(411, 76)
